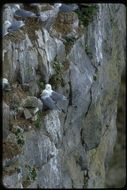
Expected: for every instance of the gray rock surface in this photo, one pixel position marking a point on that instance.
(6, 112)
(84, 63)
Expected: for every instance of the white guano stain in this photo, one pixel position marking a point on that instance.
(98, 36)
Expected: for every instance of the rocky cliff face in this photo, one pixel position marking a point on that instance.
(82, 57)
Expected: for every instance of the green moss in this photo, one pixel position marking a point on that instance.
(88, 51)
(86, 14)
(85, 181)
(41, 85)
(38, 121)
(19, 137)
(57, 66)
(69, 41)
(57, 79)
(94, 77)
(31, 175)
(29, 71)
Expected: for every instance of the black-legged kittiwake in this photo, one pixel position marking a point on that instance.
(5, 85)
(50, 98)
(49, 15)
(13, 26)
(54, 95)
(21, 12)
(68, 7)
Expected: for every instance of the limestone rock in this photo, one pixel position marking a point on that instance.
(32, 102)
(6, 116)
(31, 106)
(70, 150)
(27, 114)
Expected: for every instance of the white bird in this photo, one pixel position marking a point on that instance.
(13, 26)
(5, 85)
(49, 15)
(50, 98)
(54, 95)
(68, 7)
(21, 12)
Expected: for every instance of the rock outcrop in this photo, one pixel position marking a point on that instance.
(82, 55)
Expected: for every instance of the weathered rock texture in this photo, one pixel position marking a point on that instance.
(57, 150)
(118, 160)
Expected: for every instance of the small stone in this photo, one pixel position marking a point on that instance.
(31, 102)
(15, 128)
(36, 110)
(27, 114)
(29, 127)
(34, 118)
(20, 111)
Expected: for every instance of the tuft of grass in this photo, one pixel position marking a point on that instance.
(94, 77)
(86, 14)
(38, 121)
(19, 137)
(41, 85)
(31, 175)
(69, 43)
(56, 78)
(88, 51)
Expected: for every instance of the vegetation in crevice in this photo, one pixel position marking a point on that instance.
(86, 178)
(19, 137)
(56, 78)
(69, 42)
(86, 13)
(88, 51)
(31, 175)
(41, 85)
(94, 77)
(38, 120)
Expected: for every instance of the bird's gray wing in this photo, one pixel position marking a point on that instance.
(49, 103)
(15, 26)
(24, 13)
(56, 96)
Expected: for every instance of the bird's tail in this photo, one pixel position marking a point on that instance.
(63, 111)
(60, 109)
(65, 98)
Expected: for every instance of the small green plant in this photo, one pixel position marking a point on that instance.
(19, 137)
(88, 52)
(41, 85)
(69, 41)
(30, 176)
(56, 78)
(38, 120)
(57, 66)
(94, 77)
(86, 14)
(32, 173)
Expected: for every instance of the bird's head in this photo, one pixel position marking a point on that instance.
(16, 6)
(7, 23)
(21, 23)
(5, 84)
(48, 87)
(57, 5)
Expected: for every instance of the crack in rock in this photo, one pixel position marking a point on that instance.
(90, 102)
